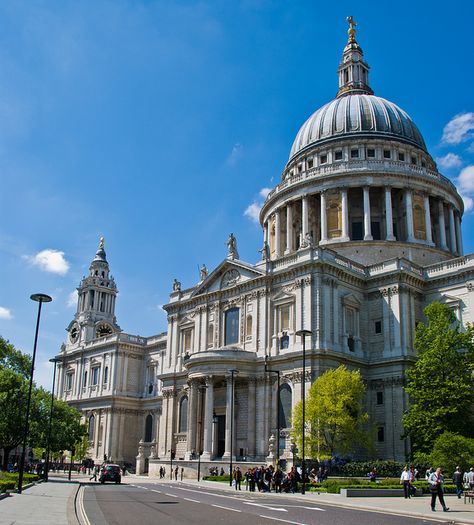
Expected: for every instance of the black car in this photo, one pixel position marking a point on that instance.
(111, 473)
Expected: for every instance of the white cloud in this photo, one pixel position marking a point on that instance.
(468, 202)
(451, 160)
(235, 154)
(72, 299)
(466, 180)
(459, 129)
(52, 261)
(5, 313)
(253, 211)
(264, 192)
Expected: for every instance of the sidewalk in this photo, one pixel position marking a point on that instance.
(49, 503)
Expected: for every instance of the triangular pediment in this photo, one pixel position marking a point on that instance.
(228, 274)
(283, 297)
(351, 299)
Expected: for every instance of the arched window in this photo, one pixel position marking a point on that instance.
(91, 428)
(231, 326)
(183, 415)
(285, 405)
(148, 428)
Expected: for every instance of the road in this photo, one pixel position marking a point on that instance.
(144, 503)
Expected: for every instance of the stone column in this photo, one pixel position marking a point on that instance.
(367, 216)
(388, 215)
(192, 413)
(452, 234)
(208, 420)
(442, 226)
(324, 223)
(251, 417)
(345, 216)
(304, 216)
(289, 228)
(277, 234)
(429, 238)
(228, 411)
(409, 218)
(265, 231)
(458, 233)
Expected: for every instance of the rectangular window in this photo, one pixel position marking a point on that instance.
(284, 318)
(401, 156)
(423, 164)
(387, 154)
(379, 398)
(231, 326)
(300, 168)
(69, 380)
(95, 375)
(310, 163)
(187, 338)
(378, 326)
(371, 153)
(380, 434)
(413, 160)
(323, 159)
(338, 155)
(354, 153)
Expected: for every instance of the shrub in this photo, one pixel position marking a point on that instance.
(362, 468)
(217, 478)
(6, 485)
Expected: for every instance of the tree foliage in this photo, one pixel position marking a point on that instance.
(440, 382)
(451, 450)
(334, 417)
(14, 385)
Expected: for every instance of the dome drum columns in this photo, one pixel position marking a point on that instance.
(350, 214)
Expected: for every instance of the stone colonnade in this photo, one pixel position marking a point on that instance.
(348, 214)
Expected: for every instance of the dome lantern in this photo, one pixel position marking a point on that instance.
(353, 70)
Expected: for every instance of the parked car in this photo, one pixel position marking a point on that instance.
(111, 473)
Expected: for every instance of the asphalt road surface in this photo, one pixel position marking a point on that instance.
(145, 503)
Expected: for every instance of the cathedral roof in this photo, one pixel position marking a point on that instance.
(356, 111)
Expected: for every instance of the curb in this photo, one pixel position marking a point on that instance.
(4, 495)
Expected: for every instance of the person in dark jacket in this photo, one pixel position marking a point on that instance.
(458, 480)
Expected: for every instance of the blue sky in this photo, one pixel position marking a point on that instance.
(158, 124)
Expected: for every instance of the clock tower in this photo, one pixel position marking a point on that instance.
(95, 316)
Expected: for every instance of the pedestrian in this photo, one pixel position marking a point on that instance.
(405, 479)
(373, 475)
(237, 478)
(176, 473)
(436, 481)
(182, 473)
(95, 471)
(277, 479)
(457, 480)
(470, 478)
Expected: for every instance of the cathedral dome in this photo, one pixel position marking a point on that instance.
(357, 115)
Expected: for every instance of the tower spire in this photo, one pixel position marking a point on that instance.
(353, 70)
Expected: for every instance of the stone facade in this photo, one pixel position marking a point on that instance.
(359, 236)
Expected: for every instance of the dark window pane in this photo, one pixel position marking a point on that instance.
(231, 326)
(379, 398)
(375, 227)
(357, 231)
(148, 428)
(183, 415)
(380, 434)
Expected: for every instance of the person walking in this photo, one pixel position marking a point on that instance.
(237, 478)
(470, 478)
(458, 480)
(95, 471)
(406, 479)
(176, 470)
(436, 481)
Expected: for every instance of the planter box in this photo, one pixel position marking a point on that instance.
(374, 493)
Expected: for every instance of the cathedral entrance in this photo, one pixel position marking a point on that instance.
(220, 436)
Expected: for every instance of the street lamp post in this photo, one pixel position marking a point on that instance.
(277, 372)
(39, 298)
(54, 360)
(232, 372)
(303, 334)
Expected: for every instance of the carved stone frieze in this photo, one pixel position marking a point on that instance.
(230, 278)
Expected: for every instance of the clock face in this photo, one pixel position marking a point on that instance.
(74, 333)
(102, 330)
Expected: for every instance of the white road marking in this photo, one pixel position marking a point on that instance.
(171, 495)
(279, 509)
(158, 491)
(303, 507)
(226, 508)
(279, 519)
(193, 500)
(82, 510)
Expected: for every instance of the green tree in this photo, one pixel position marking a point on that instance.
(14, 359)
(440, 382)
(334, 417)
(451, 450)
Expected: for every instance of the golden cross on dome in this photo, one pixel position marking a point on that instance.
(101, 244)
(351, 31)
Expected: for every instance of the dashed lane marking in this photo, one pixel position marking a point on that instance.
(193, 500)
(170, 495)
(279, 509)
(226, 508)
(280, 519)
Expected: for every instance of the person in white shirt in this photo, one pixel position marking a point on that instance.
(406, 478)
(436, 481)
